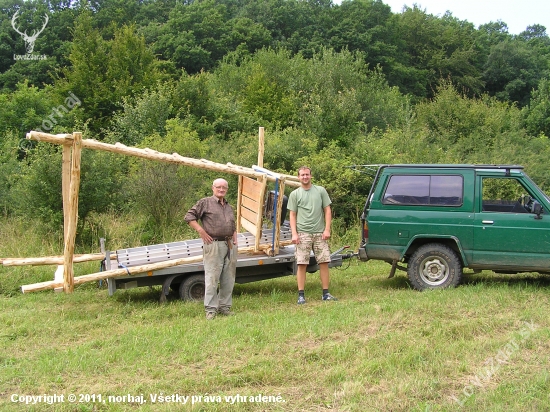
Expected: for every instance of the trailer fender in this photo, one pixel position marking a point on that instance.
(166, 287)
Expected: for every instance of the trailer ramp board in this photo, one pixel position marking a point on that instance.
(143, 255)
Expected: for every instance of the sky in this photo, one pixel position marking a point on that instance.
(517, 14)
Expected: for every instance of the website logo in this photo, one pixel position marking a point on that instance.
(29, 39)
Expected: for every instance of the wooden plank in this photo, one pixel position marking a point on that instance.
(250, 227)
(250, 216)
(251, 188)
(250, 204)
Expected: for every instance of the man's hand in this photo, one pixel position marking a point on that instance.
(206, 238)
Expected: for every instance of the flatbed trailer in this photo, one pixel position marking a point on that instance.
(188, 279)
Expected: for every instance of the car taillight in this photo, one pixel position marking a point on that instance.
(365, 231)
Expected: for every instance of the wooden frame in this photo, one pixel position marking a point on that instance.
(249, 208)
(250, 205)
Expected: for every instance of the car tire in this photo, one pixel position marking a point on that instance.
(434, 266)
(192, 288)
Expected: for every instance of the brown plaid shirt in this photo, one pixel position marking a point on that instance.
(217, 218)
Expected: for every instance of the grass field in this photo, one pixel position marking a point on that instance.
(382, 347)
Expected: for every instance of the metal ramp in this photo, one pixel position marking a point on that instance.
(144, 255)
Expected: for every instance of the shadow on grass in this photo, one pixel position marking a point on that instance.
(152, 294)
(398, 282)
(520, 280)
(489, 279)
(147, 294)
(287, 285)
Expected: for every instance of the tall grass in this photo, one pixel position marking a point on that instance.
(381, 347)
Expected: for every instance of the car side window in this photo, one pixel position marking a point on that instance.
(505, 195)
(434, 190)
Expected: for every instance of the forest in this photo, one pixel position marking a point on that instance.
(334, 86)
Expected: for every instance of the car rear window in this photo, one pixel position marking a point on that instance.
(432, 190)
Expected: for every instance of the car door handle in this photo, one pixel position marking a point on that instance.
(487, 222)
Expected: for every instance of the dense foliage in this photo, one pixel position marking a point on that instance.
(334, 85)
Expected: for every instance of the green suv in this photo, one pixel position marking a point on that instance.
(439, 219)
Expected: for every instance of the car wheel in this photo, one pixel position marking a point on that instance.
(434, 266)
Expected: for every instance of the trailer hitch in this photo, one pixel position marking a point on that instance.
(344, 256)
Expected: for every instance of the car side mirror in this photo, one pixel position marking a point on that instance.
(537, 209)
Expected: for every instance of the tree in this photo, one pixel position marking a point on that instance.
(537, 114)
(160, 190)
(536, 31)
(52, 43)
(512, 70)
(452, 128)
(38, 189)
(10, 147)
(364, 26)
(102, 72)
(198, 35)
(25, 109)
(436, 48)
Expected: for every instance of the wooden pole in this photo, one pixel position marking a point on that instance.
(51, 260)
(132, 270)
(259, 216)
(261, 147)
(239, 203)
(68, 272)
(278, 213)
(148, 154)
(290, 180)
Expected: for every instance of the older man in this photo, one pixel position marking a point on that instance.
(219, 235)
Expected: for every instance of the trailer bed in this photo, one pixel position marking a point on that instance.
(188, 279)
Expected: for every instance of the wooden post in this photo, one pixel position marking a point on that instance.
(68, 255)
(278, 213)
(239, 204)
(65, 186)
(261, 147)
(259, 217)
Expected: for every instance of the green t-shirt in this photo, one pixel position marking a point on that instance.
(309, 206)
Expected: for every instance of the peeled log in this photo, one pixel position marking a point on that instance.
(51, 260)
(149, 154)
(35, 287)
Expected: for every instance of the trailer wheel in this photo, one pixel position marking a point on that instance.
(434, 266)
(192, 288)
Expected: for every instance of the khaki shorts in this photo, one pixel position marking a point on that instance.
(309, 242)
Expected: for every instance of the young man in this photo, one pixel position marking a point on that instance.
(219, 235)
(310, 219)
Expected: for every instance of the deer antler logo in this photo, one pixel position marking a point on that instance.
(29, 40)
